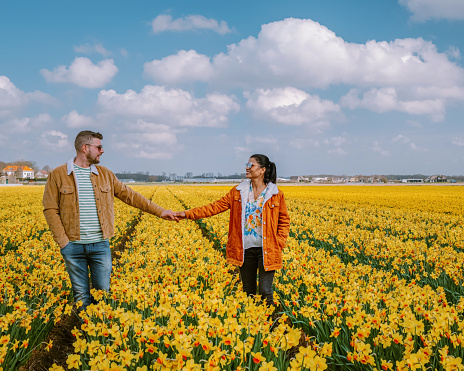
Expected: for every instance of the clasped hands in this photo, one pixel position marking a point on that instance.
(173, 215)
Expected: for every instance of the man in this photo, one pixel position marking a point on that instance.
(79, 208)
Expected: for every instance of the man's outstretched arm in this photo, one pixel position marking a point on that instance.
(135, 199)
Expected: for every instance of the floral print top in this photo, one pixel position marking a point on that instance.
(253, 231)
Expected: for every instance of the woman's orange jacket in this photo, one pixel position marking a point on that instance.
(276, 224)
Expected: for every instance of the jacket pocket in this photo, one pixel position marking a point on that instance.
(105, 198)
(68, 206)
(105, 188)
(67, 197)
(66, 190)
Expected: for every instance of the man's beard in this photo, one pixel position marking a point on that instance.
(92, 161)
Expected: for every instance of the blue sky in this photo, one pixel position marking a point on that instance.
(326, 86)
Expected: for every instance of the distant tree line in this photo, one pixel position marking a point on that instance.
(141, 176)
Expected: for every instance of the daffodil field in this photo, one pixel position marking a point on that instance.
(372, 280)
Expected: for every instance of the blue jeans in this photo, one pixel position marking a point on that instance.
(252, 264)
(79, 259)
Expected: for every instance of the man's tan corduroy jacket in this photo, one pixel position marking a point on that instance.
(61, 201)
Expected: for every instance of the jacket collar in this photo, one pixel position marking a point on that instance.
(244, 186)
(70, 167)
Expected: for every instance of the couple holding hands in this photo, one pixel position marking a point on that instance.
(79, 208)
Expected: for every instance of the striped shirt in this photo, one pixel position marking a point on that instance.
(88, 214)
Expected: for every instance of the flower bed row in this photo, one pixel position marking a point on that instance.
(175, 304)
(371, 317)
(35, 287)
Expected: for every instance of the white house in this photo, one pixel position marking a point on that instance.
(25, 172)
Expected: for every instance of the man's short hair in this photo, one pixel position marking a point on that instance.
(85, 137)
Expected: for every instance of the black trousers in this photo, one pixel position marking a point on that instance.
(252, 264)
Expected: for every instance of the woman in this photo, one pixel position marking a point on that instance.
(258, 227)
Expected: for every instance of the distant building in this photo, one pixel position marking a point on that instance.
(320, 180)
(412, 180)
(41, 174)
(8, 180)
(437, 179)
(299, 178)
(24, 172)
(199, 180)
(210, 180)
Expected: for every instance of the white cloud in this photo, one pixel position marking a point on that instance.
(303, 53)
(92, 48)
(260, 139)
(376, 147)
(408, 75)
(458, 141)
(401, 139)
(453, 52)
(147, 140)
(417, 148)
(415, 124)
(13, 99)
(262, 143)
(25, 124)
(336, 141)
(423, 10)
(175, 107)
(124, 52)
(17, 125)
(290, 106)
(165, 22)
(241, 151)
(74, 120)
(337, 151)
(335, 145)
(300, 143)
(55, 141)
(40, 120)
(83, 72)
(185, 66)
(386, 99)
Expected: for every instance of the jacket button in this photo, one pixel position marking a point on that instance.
(264, 237)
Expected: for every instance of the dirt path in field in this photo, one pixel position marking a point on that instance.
(61, 334)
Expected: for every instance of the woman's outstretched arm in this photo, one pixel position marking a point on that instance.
(205, 211)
